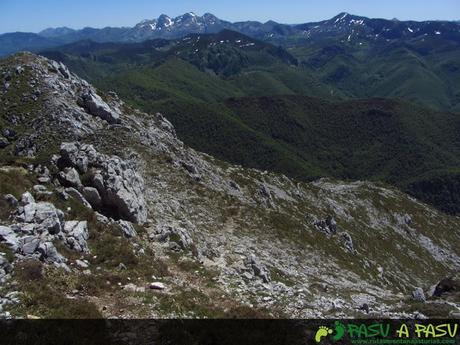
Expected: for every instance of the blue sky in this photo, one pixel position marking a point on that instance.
(35, 15)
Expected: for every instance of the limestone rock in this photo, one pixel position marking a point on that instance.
(419, 295)
(133, 288)
(81, 263)
(43, 215)
(328, 225)
(259, 269)
(27, 198)
(94, 105)
(61, 68)
(157, 286)
(76, 234)
(49, 252)
(120, 187)
(69, 177)
(29, 245)
(127, 228)
(347, 241)
(8, 236)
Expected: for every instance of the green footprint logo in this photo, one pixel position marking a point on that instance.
(322, 332)
(339, 331)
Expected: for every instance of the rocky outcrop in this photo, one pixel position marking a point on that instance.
(127, 228)
(258, 268)
(9, 237)
(419, 295)
(69, 177)
(327, 226)
(38, 225)
(94, 105)
(177, 237)
(114, 186)
(76, 234)
(39, 217)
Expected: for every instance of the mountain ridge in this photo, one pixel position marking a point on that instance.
(167, 27)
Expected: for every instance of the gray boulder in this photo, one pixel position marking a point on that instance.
(328, 225)
(76, 234)
(259, 269)
(69, 177)
(61, 68)
(49, 253)
(347, 241)
(98, 181)
(127, 228)
(94, 105)
(8, 236)
(27, 198)
(43, 214)
(419, 295)
(70, 157)
(28, 245)
(41, 190)
(124, 191)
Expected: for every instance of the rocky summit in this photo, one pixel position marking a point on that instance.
(104, 212)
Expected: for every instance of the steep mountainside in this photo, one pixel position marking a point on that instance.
(104, 212)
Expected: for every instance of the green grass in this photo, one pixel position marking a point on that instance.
(15, 181)
(44, 297)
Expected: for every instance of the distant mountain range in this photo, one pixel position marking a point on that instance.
(343, 26)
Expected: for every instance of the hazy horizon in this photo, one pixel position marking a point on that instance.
(30, 16)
